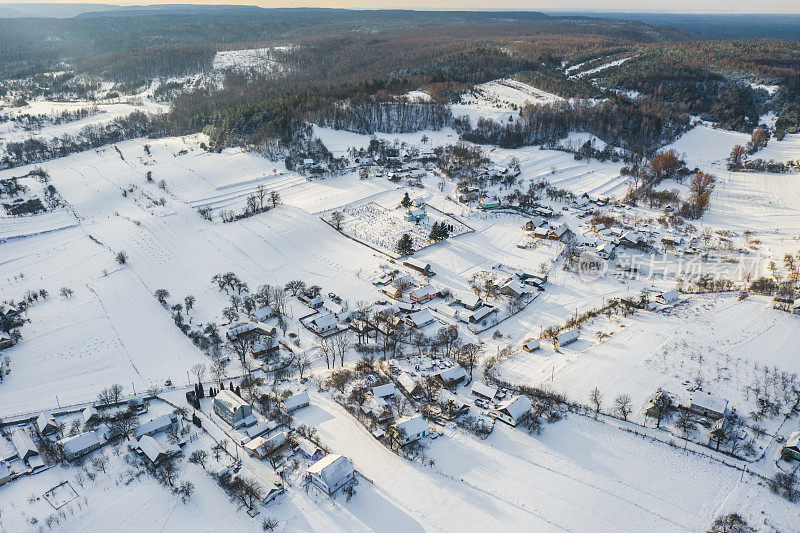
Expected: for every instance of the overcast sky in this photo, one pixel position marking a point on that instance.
(681, 6)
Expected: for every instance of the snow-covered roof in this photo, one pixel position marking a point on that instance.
(158, 424)
(260, 428)
(325, 321)
(532, 345)
(333, 469)
(89, 413)
(445, 396)
(296, 400)
(516, 286)
(421, 317)
(23, 443)
(4, 470)
(793, 441)
(516, 407)
(669, 296)
(79, 443)
(482, 389)
(229, 399)
(454, 373)
(423, 292)
(263, 313)
(278, 439)
(482, 313)
(382, 391)
(709, 402)
(407, 382)
(307, 447)
(151, 448)
(46, 423)
(568, 336)
(411, 425)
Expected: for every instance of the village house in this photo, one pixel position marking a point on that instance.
(469, 300)
(264, 346)
(418, 266)
(296, 401)
(605, 250)
(482, 390)
(259, 428)
(261, 447)
(791, 448)
(452, 376)
(668, 297)
(331, 473)
(385, 391)
(410, 429)
(514, 288)
(452, 403)
(313, 302)
(481, 314)
(535, 222)
(26, 449)
(392, 291)
(489, 203)
(153, 453)
(156, 425)
(422, 294)
(232, 409)
(309, 450)
(408, 383)
(5, 473)
(531, 345)
(566, 337)
(376, 408)
(511, 411)
(248, 330)
(707, 405)
(46, 424)
(324, 324)
(420, 319)
(80, 445)
(90, 416)
(6, 342)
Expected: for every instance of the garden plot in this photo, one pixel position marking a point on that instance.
(382, 227)
(60, 495)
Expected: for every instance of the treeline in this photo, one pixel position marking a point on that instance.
(139, 65)
(35, 150)
(385, 117)
(638, 128)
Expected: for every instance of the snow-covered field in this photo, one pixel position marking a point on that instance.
(500, 99)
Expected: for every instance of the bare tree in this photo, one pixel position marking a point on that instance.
(301, 363)
(218, 367)
(199, 457)
(325, 345)
(199, 371)
(342, 342)
(468, 356)
(596, 398)
(622, 406)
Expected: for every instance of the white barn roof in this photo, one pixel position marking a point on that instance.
(333, 469)
(295, 401)
(79, 443)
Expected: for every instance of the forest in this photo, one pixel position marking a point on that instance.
(348, 69)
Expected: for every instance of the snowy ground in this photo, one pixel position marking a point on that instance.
(500, 100)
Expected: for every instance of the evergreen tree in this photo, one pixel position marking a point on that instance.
(406, 201)
(435, 232)
(405, 245)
